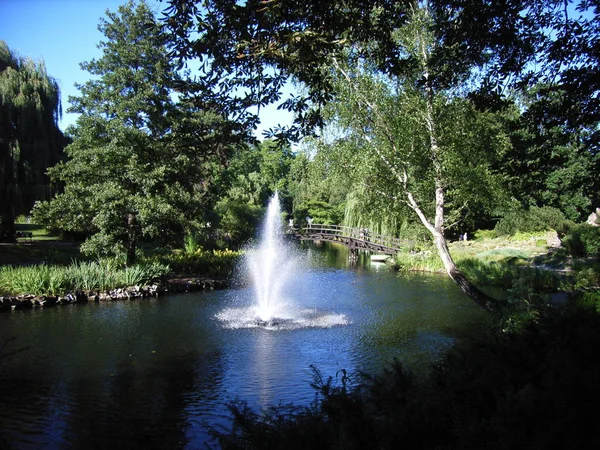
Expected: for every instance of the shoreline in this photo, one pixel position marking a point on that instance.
(174, 285)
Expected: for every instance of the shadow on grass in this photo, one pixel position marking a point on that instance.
(37, 252)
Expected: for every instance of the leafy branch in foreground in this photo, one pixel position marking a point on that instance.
(526, 389)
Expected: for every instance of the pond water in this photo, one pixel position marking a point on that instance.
(157, 373)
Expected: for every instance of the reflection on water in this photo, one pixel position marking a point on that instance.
(157, 373)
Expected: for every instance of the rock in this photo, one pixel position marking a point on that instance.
(50, 301)
(5, 304)
(24, 304)
(594, 218)
(552, 239)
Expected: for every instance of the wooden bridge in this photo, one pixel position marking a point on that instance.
(354, 238)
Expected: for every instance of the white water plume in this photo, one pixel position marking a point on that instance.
(273, 265)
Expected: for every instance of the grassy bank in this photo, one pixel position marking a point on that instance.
(501, 262)
(44, 265)
(83, 276)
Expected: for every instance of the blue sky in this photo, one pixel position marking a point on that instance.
(65, 33)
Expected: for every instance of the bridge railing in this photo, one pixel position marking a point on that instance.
(360, 234)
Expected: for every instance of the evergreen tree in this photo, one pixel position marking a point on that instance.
(143, 160)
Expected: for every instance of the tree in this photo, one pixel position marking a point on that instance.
(418, 144)
(547, 53)
(548, 163)
(30, 140)
(143, 160)
(262, 43)
(416, 152)
(253, 175)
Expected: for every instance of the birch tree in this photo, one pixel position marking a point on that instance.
(412, 143)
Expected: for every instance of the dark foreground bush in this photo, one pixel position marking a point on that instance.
(537, 389)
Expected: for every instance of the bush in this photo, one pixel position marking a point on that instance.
(582, 240)
(532, 220)
(485, 234)
(532, 389)
(216, 263)
(426, 261)
(587, 277)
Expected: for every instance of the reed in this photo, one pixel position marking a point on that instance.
(79, 276)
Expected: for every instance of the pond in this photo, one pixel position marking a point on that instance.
(157, 373)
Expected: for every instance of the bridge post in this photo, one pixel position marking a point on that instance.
(353, 253)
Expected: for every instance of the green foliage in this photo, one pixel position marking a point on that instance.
(318, 183)
(505, 390)
(589, 300)
(587, 277)
(143, 163)
(254, 174)
(321, 212)
(30, 140)
(426, 260)
(548, 164)
(238, 220)
(485, 234)
(79, 276)
(216, 263)
(582, 240)
(491, 273)
(532, 220)
(190, 244)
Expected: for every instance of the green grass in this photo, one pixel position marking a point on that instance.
(39, 233)
(83, 276)
(425, 261)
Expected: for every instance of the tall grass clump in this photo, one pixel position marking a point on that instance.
(107, 274)
(425, 261)
(79, 276)
(490, 273)
(36, 280)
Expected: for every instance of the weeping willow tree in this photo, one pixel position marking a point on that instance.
(30, 140)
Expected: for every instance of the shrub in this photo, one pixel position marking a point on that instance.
(587, 277)
(532, 220)
(582, 240)
(427, 261)
(485, 234)
(493, 273)
(216, 263)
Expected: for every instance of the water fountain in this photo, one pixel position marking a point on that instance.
(272, 264)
